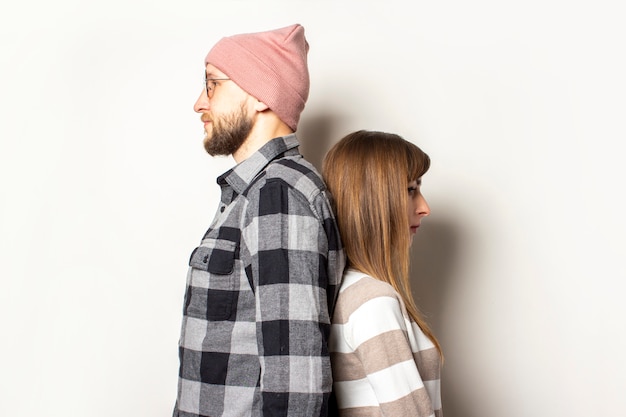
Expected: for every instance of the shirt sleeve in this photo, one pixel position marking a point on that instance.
(288, 272)
(377, 331)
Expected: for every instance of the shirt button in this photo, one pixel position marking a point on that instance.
(222, 209)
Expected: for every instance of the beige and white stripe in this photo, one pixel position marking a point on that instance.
(382, 362)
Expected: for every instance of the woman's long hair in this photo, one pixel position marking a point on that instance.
(367, 174)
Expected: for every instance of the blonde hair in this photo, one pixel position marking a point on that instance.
(367, 174)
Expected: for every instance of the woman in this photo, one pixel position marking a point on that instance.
(385, 359)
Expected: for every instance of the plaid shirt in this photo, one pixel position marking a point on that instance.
(260, 291)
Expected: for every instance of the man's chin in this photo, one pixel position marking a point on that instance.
(212, 150)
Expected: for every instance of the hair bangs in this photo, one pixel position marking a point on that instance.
(418, 162)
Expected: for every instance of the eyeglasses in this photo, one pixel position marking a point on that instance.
(210, 84)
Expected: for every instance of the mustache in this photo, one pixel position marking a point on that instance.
(206, 118)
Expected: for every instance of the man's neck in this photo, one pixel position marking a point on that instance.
(265, 129)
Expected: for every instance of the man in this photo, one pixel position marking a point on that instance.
(262, 284)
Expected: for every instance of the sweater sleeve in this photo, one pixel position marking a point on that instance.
(377, 333)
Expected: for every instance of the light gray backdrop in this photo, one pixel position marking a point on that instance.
(105, 189)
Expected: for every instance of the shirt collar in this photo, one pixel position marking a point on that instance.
(242, 174)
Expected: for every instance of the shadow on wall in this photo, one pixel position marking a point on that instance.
(315, 136)
(434, 256)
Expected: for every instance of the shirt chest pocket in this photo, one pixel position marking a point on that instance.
(213, 282)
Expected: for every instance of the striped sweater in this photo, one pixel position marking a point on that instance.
(382, 362)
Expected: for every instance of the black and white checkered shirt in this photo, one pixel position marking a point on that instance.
(260, 291)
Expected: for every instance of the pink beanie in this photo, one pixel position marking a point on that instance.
(271, 66)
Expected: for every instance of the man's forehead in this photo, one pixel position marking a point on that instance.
(213, 72)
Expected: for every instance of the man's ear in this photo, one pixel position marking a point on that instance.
(260, 106)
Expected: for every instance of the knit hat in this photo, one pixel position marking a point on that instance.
(271, 66)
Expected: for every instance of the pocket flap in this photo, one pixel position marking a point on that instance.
(214, 256)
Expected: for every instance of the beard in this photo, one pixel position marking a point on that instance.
(228, 134)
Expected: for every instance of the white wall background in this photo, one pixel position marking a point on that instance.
(105, 188)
